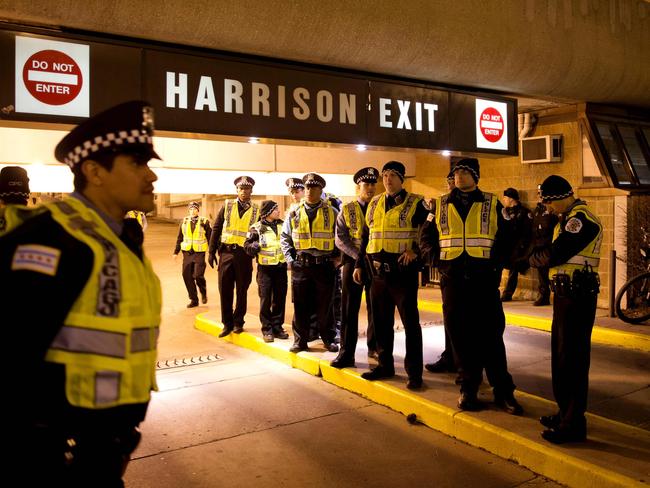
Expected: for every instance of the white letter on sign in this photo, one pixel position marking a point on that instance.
(384, 113)
(431, 108)
(347, 108)
(260, 96)
(300, 95)
(205, 95)
(403, 122)
(324, 106)
(173, 89)
(232, 90)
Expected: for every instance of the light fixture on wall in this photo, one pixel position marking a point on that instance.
(361, 147)
(253, 140)
(446, 153)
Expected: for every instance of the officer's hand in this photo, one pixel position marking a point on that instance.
(407, 257)
(175, 256)
(212, 260)
(357, 276)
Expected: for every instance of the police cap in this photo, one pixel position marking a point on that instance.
(294, 183)
(471, 165)
(195, 205)
(555, 188)
(125, 128)
(367, 175)
(313, 179)
(14, 182)
(395, 167)
(244, 182)
(267, 207)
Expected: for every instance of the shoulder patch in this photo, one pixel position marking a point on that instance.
(573, 225)
(37, 258)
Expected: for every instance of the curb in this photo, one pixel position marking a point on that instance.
(599, 335)
(545, 460)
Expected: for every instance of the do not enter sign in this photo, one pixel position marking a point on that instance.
(491, 124)
(52, 77)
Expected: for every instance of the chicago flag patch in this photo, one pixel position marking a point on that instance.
(34, 257)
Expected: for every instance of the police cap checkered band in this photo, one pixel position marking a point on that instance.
(125, 128)
(369, 175)
(244, 181)
(555, 188)
(471, 165)
(313, 179)
(195, 205)
(294, 183)
(395, 167)
(14, 181)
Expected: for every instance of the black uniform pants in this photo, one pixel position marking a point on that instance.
(573, 320)
(272, 288)
(194, 274)
(235, 271)
(350, 305)
(399, 289)
(511, 284)
(475, 322)
(313, 288)
(544, 283)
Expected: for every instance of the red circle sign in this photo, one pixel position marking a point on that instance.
(491, 124)
(52, 77)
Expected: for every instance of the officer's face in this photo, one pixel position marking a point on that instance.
(244, 193)
(297, 194)
(275, 215)
(127, 186)
(392, 182)
(367, 190)
(555, 207)
(464, 180)
(313, 193)
(194, 211)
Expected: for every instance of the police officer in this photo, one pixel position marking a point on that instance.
(543, 224)
(139, 216)
(193, 237)
(235, 267)
(88, 303)
(573, 256)
(14, 190)
(471, 243)
(390, 246)
(307, 242)
(263, 242)
(296, 191)
(349, 230)
(519, 218)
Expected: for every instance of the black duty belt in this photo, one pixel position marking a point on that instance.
(385, 266)
(230, 247)
(307, 259)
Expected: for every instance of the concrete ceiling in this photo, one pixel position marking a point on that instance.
(549, 52)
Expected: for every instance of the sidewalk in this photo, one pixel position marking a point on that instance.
(617, 452)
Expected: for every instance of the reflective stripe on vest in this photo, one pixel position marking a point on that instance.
(108, 341)
(354, 221)
(590, 254)
(235, 228)
(194, 241)
(270, 250)
(321, 234)
(475, 235)
(392, 231)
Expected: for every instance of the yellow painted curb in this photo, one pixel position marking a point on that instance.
(546, 460)
(600, 335)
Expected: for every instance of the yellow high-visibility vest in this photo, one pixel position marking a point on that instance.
(139, 216)
(474, 236)
(194, 241)
(13, 215)
(108, 340)
(321, 235)
(270, 251)
(235, 228)
(391, 231)
(590, 254)
(354, 220)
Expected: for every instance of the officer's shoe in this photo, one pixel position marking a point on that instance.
(508, 404)
(542, 301)
(297, 347)
(238, 329)
(373, 354)
(414, 383)
(550, 421)
(559, 435)
(226, 331)
(469, 402)
(282, 334)
(342, 361)
(268, 338)
(204, 299)
(192, 304)
(440, 366)
(331, 347)
(378, 373)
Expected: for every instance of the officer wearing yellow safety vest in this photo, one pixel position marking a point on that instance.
(14, 190)
(469, 240)
(307, 243)
(263, 242)
(87, 351)
(573, 257)
(193, 237)
(390, 245)
(139, 216)
(349, 229)
(235, 267)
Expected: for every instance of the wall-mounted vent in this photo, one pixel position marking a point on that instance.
(543, 149)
